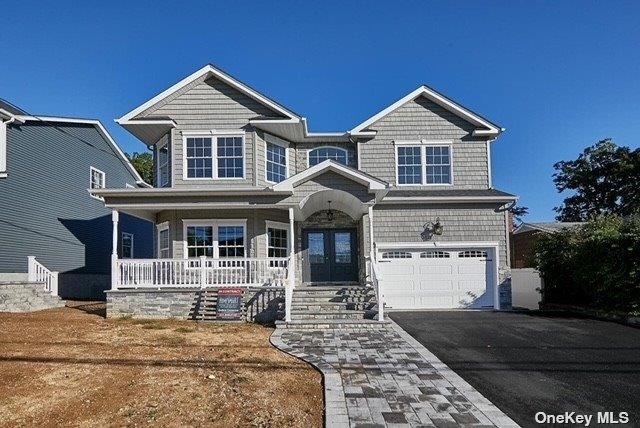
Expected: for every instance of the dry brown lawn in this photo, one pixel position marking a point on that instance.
(72, 367)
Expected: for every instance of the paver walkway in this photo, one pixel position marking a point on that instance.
(384, 377)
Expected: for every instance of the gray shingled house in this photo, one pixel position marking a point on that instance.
(398, 212)
(47, 165)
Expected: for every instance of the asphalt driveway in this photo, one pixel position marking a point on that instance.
(533, 362)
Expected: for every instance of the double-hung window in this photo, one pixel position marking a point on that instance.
(163, 165)
(409, 165)
(438, 164)
(217, 157)
(127, 245)
(277, 240)
(97, 180)
(276, 166)
(215, 238)
(423, 164)
(163, 241)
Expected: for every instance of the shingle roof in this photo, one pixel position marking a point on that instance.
(549, 227)
(448, 192)
(6, 105)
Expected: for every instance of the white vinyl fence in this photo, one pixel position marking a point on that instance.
(37, 272)
(526, 285)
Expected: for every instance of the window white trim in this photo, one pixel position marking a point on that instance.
(346, 154)
(269, 224)
(122, 236)
(104, 181)
(215, 224)
(160, 228)
(214, 135)
(423, 156)
(269, 139)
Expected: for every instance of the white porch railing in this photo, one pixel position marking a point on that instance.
(201, 272)
(376, 279)
(36, 272)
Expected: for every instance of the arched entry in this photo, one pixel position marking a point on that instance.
(330, 231)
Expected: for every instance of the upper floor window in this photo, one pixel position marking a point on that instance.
(228, 161)
(163, 165)
(97, 180)
(438, 164)
(422, 164)
(323, 153)
(276, 163)
(409, 165)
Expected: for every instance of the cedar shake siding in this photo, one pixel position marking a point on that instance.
(461, 223)
(206, 104)
(422, 119)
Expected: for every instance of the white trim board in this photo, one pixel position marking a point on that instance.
(457, 109)
(219, 74)
(330, 165)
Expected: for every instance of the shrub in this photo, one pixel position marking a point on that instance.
(596, 266)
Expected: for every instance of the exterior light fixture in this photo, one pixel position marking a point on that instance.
(432, 228)
(329, 213)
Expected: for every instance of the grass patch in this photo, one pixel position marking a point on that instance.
(184, 330)
(173, 340)
(154, 326)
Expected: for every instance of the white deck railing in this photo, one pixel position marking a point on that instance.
(376, 279)
(36, 272)
(201, 272)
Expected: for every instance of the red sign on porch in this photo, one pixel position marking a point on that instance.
(229, 304)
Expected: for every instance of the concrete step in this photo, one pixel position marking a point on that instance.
(365, 324)
(303, 314)
(327, 306)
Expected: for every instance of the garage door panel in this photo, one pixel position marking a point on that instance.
(435, 286)
(475, 267)
(431, 270)
(422, 282)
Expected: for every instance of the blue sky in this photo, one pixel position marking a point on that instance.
(557, 75)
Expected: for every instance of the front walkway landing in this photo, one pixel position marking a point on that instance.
(384, 377)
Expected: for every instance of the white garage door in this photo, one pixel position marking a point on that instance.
(437, 278)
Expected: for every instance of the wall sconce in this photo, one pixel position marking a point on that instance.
(432, 228)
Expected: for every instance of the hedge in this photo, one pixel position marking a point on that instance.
(595, 266)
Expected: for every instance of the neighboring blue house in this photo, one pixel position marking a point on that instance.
(47, 165)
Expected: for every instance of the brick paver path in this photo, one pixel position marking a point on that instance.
(384, 377)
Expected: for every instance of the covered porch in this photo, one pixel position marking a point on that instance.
(203, 249)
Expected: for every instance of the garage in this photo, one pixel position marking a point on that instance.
(435, 277)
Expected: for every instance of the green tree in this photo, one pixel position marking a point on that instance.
(604, 179)
(143, 163)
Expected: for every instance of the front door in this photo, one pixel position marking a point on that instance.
(331, 255)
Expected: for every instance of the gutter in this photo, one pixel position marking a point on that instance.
(451, 199)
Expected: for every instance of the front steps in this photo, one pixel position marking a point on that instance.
(333, 306)
(27, 297)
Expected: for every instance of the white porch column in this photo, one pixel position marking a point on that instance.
(115, 216)
(292, 250)
(371, 253)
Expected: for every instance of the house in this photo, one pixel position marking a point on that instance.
(47, 165)
(523, 239)
(398, 211)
